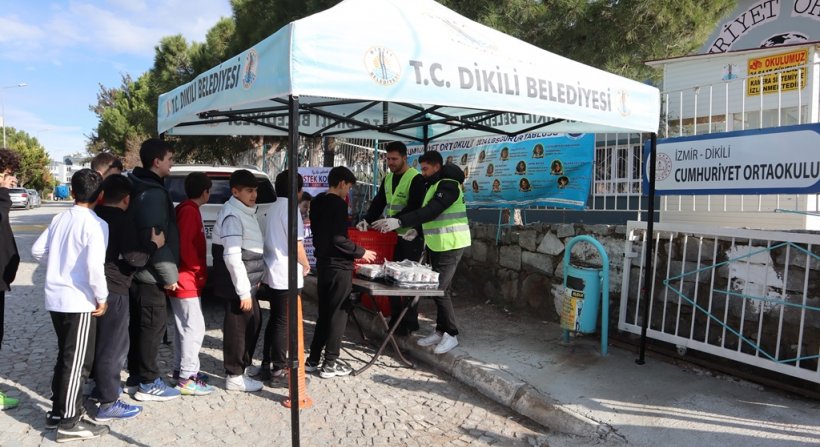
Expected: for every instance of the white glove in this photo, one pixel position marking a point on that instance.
(410, 235)
(386, 225)
(362, 225)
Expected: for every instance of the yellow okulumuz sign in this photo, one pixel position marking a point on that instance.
(774, 71)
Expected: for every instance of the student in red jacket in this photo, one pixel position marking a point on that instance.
(185, 300)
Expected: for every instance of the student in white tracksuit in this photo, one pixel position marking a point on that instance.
(73, 249)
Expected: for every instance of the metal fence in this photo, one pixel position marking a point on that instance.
(747, 295)
(366, 158)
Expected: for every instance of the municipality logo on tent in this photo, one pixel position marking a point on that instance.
(249, 69)
(622, 103)
(382, 65)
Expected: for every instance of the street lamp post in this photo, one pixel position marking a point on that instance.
(3, 107)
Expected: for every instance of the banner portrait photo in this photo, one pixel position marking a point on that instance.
(535, 169)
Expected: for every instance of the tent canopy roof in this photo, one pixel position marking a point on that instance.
(410, 69)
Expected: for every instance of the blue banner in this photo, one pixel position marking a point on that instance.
(527, 170)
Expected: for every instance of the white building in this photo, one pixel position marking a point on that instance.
(63, 170)
(720, 91)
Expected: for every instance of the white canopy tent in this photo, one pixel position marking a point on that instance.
(366, 68)
(408, 70)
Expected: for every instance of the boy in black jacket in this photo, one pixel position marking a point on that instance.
(334, 266)
(123, 255)
(9, 257)
(151, 208)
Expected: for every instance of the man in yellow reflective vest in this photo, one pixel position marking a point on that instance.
(443, 218)
(402, 190)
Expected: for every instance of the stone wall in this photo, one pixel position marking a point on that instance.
(524, 270)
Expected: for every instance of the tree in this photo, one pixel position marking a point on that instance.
(217, 46)
(34, 160)
(127, 117)
(614, 35)
(257, 19)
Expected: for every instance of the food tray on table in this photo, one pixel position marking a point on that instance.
(370, 271)
(410, 275)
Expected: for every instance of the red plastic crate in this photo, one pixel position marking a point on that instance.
(383, 244)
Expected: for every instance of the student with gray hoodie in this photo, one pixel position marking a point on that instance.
(151, 209)
(238, 269)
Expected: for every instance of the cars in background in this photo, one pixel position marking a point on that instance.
(34, 198)
(19, 198)
(220, 193)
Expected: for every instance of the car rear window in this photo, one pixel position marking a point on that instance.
(220, 190)
(18, 190)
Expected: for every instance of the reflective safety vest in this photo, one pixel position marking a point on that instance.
(397, 200)
(450, 230)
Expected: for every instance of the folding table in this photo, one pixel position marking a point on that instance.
(380, 288)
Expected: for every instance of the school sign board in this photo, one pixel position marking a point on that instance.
(762, 161)
(536, 169)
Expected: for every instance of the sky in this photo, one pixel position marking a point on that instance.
(65, 49)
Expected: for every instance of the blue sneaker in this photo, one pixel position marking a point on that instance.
(118, 410)
(156, 391)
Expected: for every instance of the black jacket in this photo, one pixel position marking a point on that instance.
(446, 194)
(124, 253)
(9, 257)
(151, 207)
(328, 222)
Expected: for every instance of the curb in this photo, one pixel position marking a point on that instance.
(496, 384)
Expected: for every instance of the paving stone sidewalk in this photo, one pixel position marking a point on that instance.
(388, 405)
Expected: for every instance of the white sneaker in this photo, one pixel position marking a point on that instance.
(253, 371)
(430, 340)
(242, 383)
(448, 342)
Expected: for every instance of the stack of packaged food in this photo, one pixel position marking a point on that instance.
(409, 274)
(370, 271)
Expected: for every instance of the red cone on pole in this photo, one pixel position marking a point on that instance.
(304, 400)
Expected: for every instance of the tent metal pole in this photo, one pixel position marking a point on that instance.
(650, 248)
(293, 323)
(376, 179)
